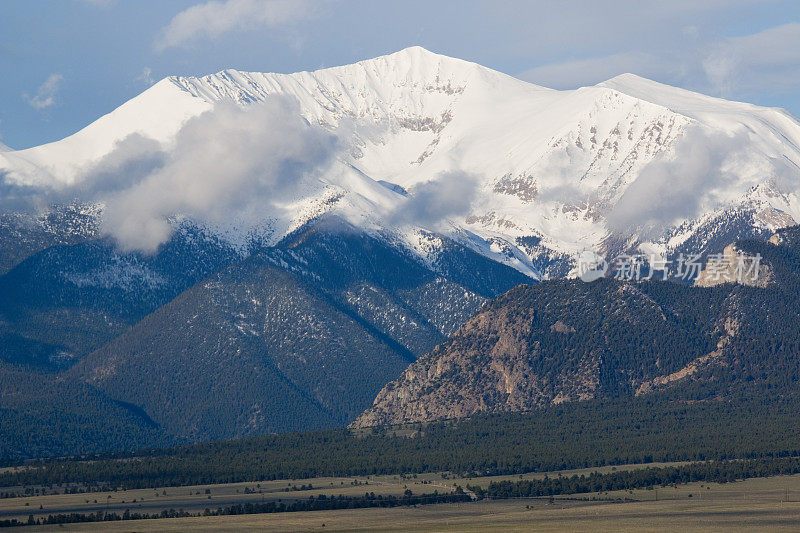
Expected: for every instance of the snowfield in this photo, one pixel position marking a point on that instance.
(626, 164)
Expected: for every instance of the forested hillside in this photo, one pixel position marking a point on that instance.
(568, 340)
(570, 435)
(200, 341)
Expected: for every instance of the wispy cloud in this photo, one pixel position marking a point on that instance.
(680, 186)
(146, 76)
(46, 93)
(226, 164)
(764, 62)
(449, 194)
(213, 19)
(767, 60)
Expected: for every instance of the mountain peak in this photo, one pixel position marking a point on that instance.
(684, 101)
(416, 54)
(630, 83)
(416, 51)
(414, 63)
(628, 77)
(420, 116)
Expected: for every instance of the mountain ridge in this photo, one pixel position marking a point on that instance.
(200, 341)
(552, 165)
(428, 187)
(569, 341)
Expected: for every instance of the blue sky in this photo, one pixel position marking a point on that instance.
(64, 63)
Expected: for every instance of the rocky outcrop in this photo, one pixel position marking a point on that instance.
(734, 266)
(730, 326)
(487, 367)
(567, 340)
(542, 345)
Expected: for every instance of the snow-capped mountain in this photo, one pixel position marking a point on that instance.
(558, 172)
(307, 291)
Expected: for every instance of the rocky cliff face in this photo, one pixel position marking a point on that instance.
(734, 266)
(546, 344)
(563, 341)
(488, 366)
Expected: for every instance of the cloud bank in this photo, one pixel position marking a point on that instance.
(676, 43)
(226, 164)
(229, 164)
(451, 194)
(212, 19)
(673, 188)
(770, 58)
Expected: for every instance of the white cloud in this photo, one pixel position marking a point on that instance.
(226, 164)
(146, 76)
(212, 19)
(768, 61)
(450, 194)
(46, 93)
(678, 187)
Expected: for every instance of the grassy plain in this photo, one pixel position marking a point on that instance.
(755, 504)
(196, 498)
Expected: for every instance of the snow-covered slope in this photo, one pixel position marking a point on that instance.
(157, 113)
(552, 166)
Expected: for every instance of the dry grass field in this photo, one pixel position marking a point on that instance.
(196, 498)
(519, 515)
(754, 505)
